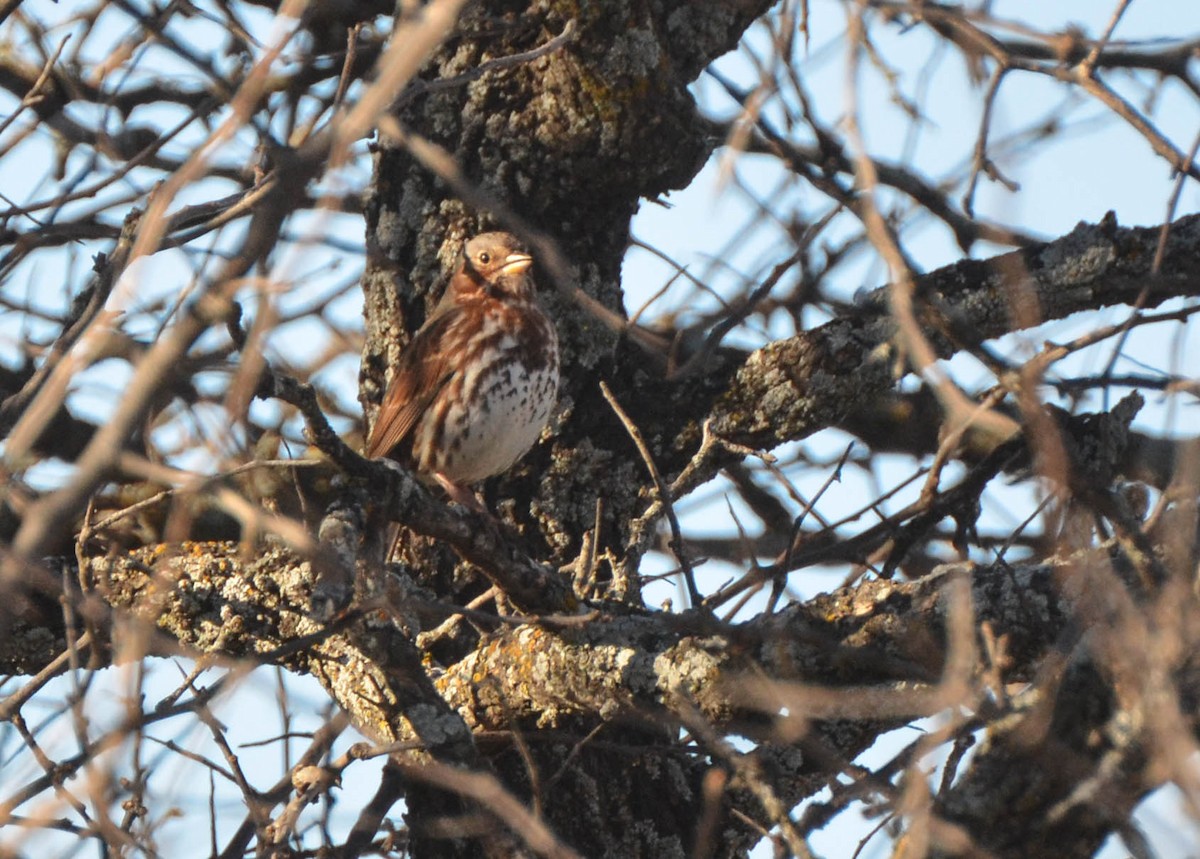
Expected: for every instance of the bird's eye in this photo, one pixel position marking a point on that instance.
(485, 258)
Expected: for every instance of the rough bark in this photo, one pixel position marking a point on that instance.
(630, 670)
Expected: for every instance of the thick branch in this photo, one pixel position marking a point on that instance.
(868, 643)
(792, 388)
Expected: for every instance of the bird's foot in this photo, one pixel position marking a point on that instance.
(463, 495)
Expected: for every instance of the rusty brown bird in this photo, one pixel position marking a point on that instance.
(475, 386)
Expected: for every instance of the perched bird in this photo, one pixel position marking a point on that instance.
(476, 385)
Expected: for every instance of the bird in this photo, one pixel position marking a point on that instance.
(475, 386)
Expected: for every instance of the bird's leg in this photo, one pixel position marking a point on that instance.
(462, 494)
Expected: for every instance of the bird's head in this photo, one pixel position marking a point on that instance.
(499, 263)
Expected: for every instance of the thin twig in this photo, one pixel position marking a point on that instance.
(664, 493)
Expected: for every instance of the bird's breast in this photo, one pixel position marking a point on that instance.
(495, 406)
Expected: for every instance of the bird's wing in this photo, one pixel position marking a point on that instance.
(421, 372)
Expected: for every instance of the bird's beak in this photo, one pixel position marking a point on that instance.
(516, 264)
